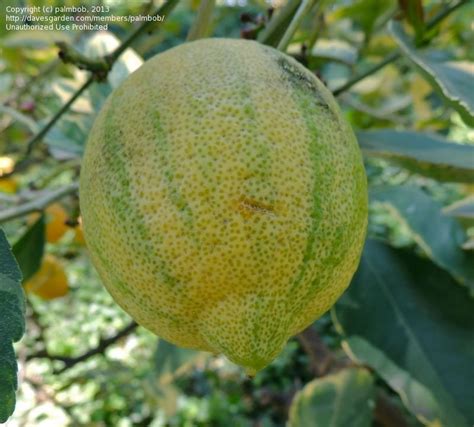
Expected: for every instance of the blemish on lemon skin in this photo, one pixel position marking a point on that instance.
(249, 207)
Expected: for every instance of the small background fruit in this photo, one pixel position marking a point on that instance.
(79, 233)
(56, 218)
(6, 165)
(8, 185)
(50, 281)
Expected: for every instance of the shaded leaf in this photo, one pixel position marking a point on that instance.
(387, 110)
(366, 13)
(34, 39)
(468, 245)
(424, 153)
(418, 398)
(28, 250)
(453, 80)
(441, 237)
(202, 23)
(12, 326)
(404, 317)
(338, 400)
(334, 50)
(463, 210)
(168, 357)
(277, 26)
(20, 117)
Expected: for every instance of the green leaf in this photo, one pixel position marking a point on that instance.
(277, 26)
(12, 326)
(334, 50)
(423, 153)
(463, 210)
(338, 400)
(453, 80)
(34, 39)
(20, 118)
(419, 327)
(28, 250)
(367, 14)
(441, 237)
(417, 398)
(168, 357)
(202, 24)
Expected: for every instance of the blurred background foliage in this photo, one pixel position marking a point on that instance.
(395, 351)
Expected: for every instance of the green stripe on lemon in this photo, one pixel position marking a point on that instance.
(228, 167)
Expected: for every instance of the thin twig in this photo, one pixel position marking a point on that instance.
(33, 141)
(357, 78)
(37, 204)
(303, 9)
(103, 344)
(99, 67)
(271, 34)
(443, 14)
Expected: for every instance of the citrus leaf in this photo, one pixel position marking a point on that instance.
(417, 398)
(202, 24)
(423, 153)
(12, 326)
(368, 14)
(168, 357)
(441, 237)
(338, 400)
(34, 39)
(276, 28)
(419, 328)
(28, 250)
(463, 210)
(20, 118)
(453, 80)
(334, 50)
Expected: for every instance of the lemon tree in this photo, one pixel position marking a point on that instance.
(259, 216)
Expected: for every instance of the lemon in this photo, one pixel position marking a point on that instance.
(224, 198)
(50, 281)
(56, 218)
